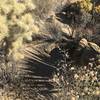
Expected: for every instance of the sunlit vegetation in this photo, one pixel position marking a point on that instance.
(17, 23)
(49, 50)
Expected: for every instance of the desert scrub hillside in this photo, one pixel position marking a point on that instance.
(49, 50)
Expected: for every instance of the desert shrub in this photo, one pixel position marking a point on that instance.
(47, 57)
(17, 22)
